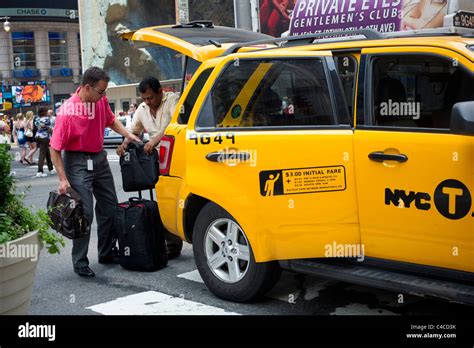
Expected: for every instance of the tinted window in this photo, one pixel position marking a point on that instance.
(346, 67)
(192, 96)
(276, 92)
(418, 91)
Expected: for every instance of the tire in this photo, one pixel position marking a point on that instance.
(239, 278)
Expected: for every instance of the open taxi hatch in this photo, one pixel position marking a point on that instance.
(199, 40)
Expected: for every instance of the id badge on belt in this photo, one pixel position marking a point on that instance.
(90, 164)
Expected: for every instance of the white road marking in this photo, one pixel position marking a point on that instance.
(360, 309)
(193, 275)
(156, 303)
(113, 158)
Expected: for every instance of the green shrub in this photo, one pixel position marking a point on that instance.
(16, 220)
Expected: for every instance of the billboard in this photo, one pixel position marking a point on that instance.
(315, 16)
(30, 93)
(275, 16)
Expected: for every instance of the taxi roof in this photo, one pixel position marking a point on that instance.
(463, 45)
(200, 40)
(458, 39)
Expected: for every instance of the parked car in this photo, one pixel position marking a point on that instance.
(111, 137)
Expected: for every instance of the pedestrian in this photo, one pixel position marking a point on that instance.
(154, 115)
(11, 119)
(43, 134)
(19, 129)
(52, 118)
(79, 133)
(30, 131)
(4, 131)
(131, 110)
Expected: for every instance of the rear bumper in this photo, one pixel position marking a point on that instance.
(168, 197)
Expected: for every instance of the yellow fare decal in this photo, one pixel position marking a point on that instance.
(302, 180)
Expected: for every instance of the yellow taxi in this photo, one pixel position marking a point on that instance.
(348, 159)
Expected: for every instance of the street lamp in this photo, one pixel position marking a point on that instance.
(6, 25)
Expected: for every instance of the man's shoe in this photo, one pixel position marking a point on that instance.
(109, 259)
(85, 272)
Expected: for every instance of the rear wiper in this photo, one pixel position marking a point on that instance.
(195, 24)
(215, 43)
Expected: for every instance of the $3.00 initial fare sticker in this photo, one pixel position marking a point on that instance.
(302, 180)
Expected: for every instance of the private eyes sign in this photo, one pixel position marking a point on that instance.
(315, 16)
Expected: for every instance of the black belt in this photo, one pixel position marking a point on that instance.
(86, 153)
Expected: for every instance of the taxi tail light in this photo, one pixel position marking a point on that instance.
(166, 150)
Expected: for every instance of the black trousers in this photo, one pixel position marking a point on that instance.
(43, 144)
(98, 183)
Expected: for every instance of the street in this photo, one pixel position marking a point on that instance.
(179, 290)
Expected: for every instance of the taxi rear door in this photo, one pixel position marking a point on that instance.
(415, 175)
(270, 141)
(197, 41)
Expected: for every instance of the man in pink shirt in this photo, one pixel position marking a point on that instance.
(79, 134)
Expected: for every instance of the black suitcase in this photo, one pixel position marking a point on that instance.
(141, 235)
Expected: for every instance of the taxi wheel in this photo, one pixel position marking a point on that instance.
(225, 259)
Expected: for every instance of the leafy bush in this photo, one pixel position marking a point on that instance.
(16, 220)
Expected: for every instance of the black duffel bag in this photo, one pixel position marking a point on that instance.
(67, 214)
(139, 170)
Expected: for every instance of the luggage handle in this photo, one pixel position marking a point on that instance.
(151, 195)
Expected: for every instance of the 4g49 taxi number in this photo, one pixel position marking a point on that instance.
(206, 139)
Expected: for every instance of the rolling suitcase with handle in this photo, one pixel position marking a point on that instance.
(141, 235)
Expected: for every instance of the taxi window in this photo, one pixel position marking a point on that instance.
(269, 93)
(192, 96)
(346, 68)
(417, 91)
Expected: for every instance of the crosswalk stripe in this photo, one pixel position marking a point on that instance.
(156, 303)
(193, 275)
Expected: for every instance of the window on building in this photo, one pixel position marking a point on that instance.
(58, 49)
(125, 105)
(24, 50)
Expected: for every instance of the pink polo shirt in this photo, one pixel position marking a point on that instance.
(80, 126)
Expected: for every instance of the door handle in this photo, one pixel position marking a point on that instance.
(221, 156)
(379, 156)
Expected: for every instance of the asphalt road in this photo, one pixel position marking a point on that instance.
(178, 288)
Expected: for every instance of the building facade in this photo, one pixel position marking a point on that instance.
(42, 47)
